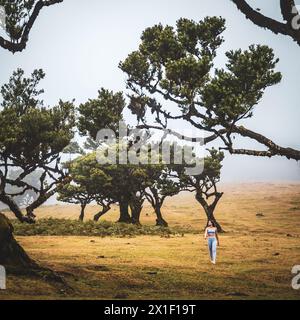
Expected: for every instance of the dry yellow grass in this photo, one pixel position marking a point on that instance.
(254, 260)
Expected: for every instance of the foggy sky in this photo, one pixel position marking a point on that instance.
(79, 44)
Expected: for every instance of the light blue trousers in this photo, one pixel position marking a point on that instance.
(212, 247)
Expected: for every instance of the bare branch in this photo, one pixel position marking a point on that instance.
(181, 136)
(273, 149)
(269, 23)
(286, 7)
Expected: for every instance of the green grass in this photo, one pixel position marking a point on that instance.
(111, 261)
(68, 227)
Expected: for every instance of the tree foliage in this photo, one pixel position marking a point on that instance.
(176, 65)
(104, 112)
(20, 16)
(33, 137)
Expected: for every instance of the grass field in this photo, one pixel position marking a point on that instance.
(255, 257)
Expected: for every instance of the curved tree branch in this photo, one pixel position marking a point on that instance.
(275, 26)
(182, 136)
(273, 148)
(21, 45)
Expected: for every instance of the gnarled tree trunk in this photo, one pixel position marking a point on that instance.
(15, 259)
(157, 202)
(136, 206)
(211, 217)
(14, 208)
(209, 209)
(12, 255)
(160, 221)
(124, 214)
(98, 215)
(82, 211)
(135, 215)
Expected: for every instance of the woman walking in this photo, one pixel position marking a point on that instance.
(211, 234)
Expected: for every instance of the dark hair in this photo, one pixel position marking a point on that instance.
(212, 222)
